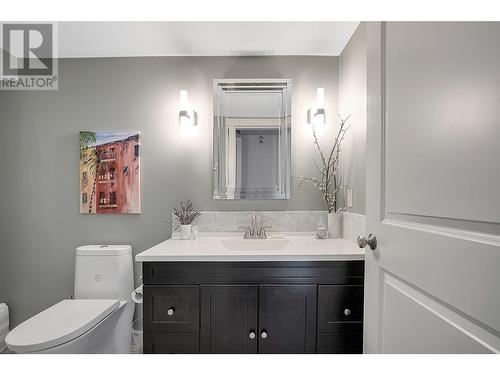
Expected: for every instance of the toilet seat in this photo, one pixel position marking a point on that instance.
(59, 324)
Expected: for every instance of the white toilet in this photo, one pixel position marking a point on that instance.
(98, 320)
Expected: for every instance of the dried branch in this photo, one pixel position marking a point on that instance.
(329, 184)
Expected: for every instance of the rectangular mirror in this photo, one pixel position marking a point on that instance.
(252, 138)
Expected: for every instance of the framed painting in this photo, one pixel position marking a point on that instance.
(110, 175)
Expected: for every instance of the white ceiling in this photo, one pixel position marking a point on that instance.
(114, 39)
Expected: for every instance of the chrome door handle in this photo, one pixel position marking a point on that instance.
(263, 334)
(347, 312)
(251, 334)
(370, 241)
(170, 311)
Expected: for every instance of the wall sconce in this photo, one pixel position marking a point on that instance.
(316, 115)
(187, 116)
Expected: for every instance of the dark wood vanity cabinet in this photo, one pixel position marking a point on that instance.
(287, 314)
(253, 307)
(229, 320)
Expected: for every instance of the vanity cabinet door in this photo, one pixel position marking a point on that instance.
(228, 319)
(287, 319)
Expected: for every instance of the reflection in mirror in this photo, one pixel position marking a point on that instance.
(252, 139)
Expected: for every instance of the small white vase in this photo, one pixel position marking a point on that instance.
(334, 225)
(186, 232)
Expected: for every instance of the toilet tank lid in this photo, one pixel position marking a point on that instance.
(92, 250)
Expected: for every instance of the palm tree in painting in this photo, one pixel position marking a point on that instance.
(94, 159)
(96, 165)
(87, 139)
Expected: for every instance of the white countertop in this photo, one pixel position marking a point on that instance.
(235, 249)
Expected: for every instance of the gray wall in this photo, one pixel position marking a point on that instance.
(352, 101)
(41, 225)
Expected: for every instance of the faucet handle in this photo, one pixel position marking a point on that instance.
(261, 234)
(247, 234)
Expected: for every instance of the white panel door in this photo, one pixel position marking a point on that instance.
(433, 188)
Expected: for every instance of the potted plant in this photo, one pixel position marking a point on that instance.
(329, 181)
(186, 215)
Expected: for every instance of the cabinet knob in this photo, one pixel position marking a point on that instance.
(347, 312)
(263, 334)
(251, 334)
(171, 311)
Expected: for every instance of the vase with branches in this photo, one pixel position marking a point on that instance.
(185, 215)
(330, 180)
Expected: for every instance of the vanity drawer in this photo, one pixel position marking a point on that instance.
(171, 343)
(172, 308)
(340, 343)
(340, 308)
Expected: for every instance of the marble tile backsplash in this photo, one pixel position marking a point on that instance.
(353, 225)
(281, 221)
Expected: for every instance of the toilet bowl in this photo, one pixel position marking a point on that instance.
(98, 320)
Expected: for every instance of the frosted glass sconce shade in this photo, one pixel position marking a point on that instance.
(187, 116)
(316, 115)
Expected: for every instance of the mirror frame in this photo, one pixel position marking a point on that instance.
(220, 190)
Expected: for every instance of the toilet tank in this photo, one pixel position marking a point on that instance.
(104, 271)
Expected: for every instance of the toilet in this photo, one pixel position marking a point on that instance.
(97, 320)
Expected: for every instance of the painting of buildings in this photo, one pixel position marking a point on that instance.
(110, 172)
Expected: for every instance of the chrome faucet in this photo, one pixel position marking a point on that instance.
(254, 231)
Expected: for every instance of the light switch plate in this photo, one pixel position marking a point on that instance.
(349, 197)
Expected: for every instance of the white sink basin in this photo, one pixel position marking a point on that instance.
(257, 245)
